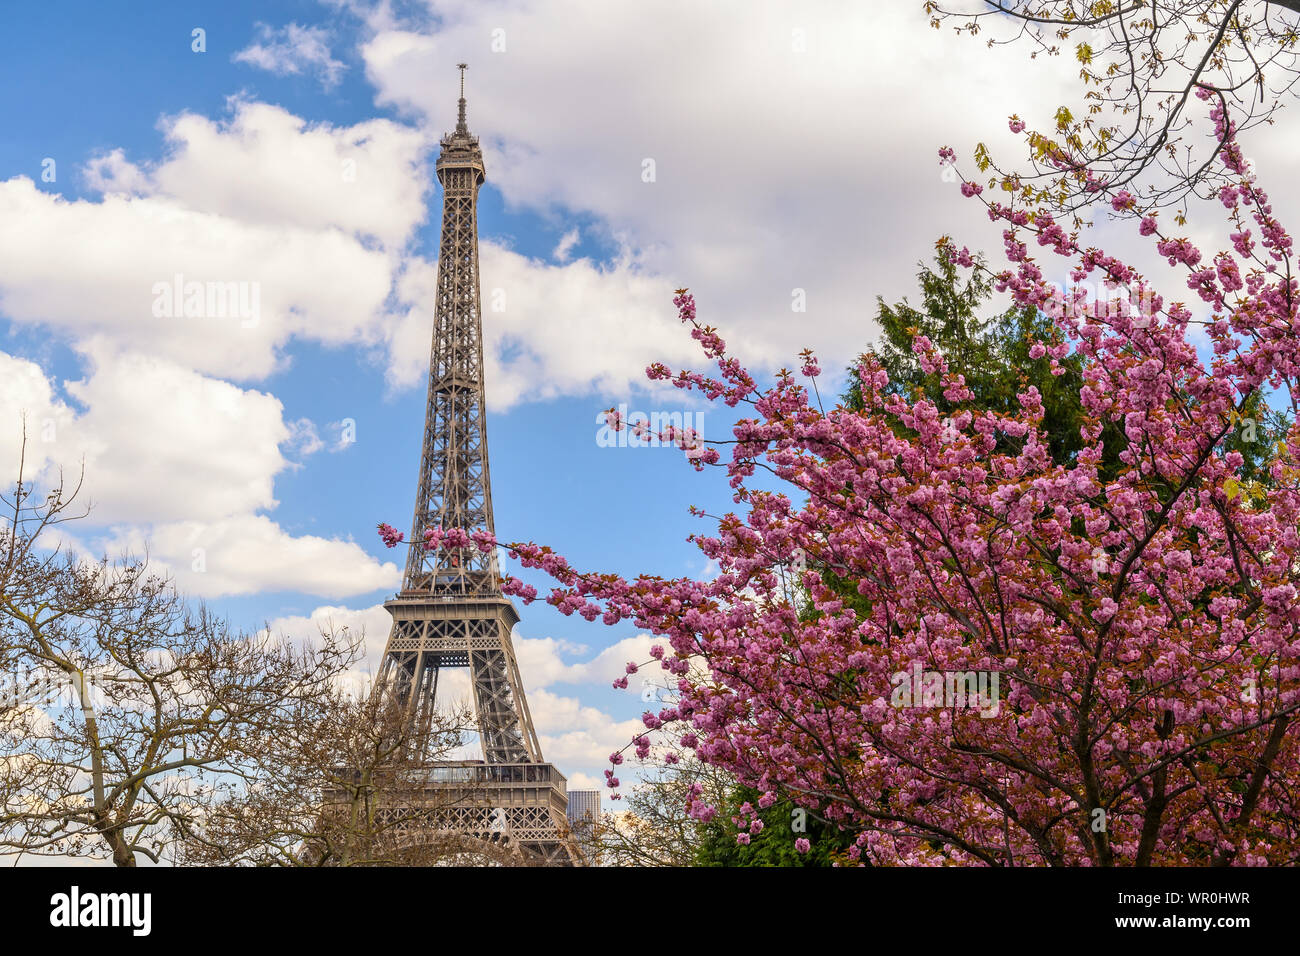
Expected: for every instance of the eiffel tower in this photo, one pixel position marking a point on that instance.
(451, 611)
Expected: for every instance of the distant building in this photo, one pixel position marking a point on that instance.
(584, 821)
(584, 808)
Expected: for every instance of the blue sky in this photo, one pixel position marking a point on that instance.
(794, 152)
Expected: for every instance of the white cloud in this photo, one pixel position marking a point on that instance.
(159, 442)
(28, 402)
(250, 554)
(113, 173)
(368, 625)
(92, 270)
(794, 153)
(310, 220)
(550, 330)
(177, 464)
(264, 164)
(541, 660)
(163, 443)
(574, 734)
(293, 50)
(777, 167)
(303, 437)
(585, 781)
(565, 245)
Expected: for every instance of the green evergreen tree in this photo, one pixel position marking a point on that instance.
(993, 354)
(774, 844)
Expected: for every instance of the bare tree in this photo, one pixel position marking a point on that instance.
(655, 829)
(1145, 65)
(350, 783)
(654, 826)
(135, 725)
(128, 713)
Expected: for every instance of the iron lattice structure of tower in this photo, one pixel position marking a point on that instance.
(451, 612)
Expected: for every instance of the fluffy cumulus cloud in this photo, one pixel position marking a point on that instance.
(210, 450)
(543, 660)
(251, 554)
(217, 294)
(573, 733)
(294, 50)
(176, 465)
(585, 781)
(576, 734)
(368, 627)
(263, 164)
(30, 405)
(779, 160)
(254, 230)
(781, 164)
(550, 329)
(565, 246)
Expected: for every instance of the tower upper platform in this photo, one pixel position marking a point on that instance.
(460, 148)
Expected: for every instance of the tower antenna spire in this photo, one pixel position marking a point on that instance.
(460, 122)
